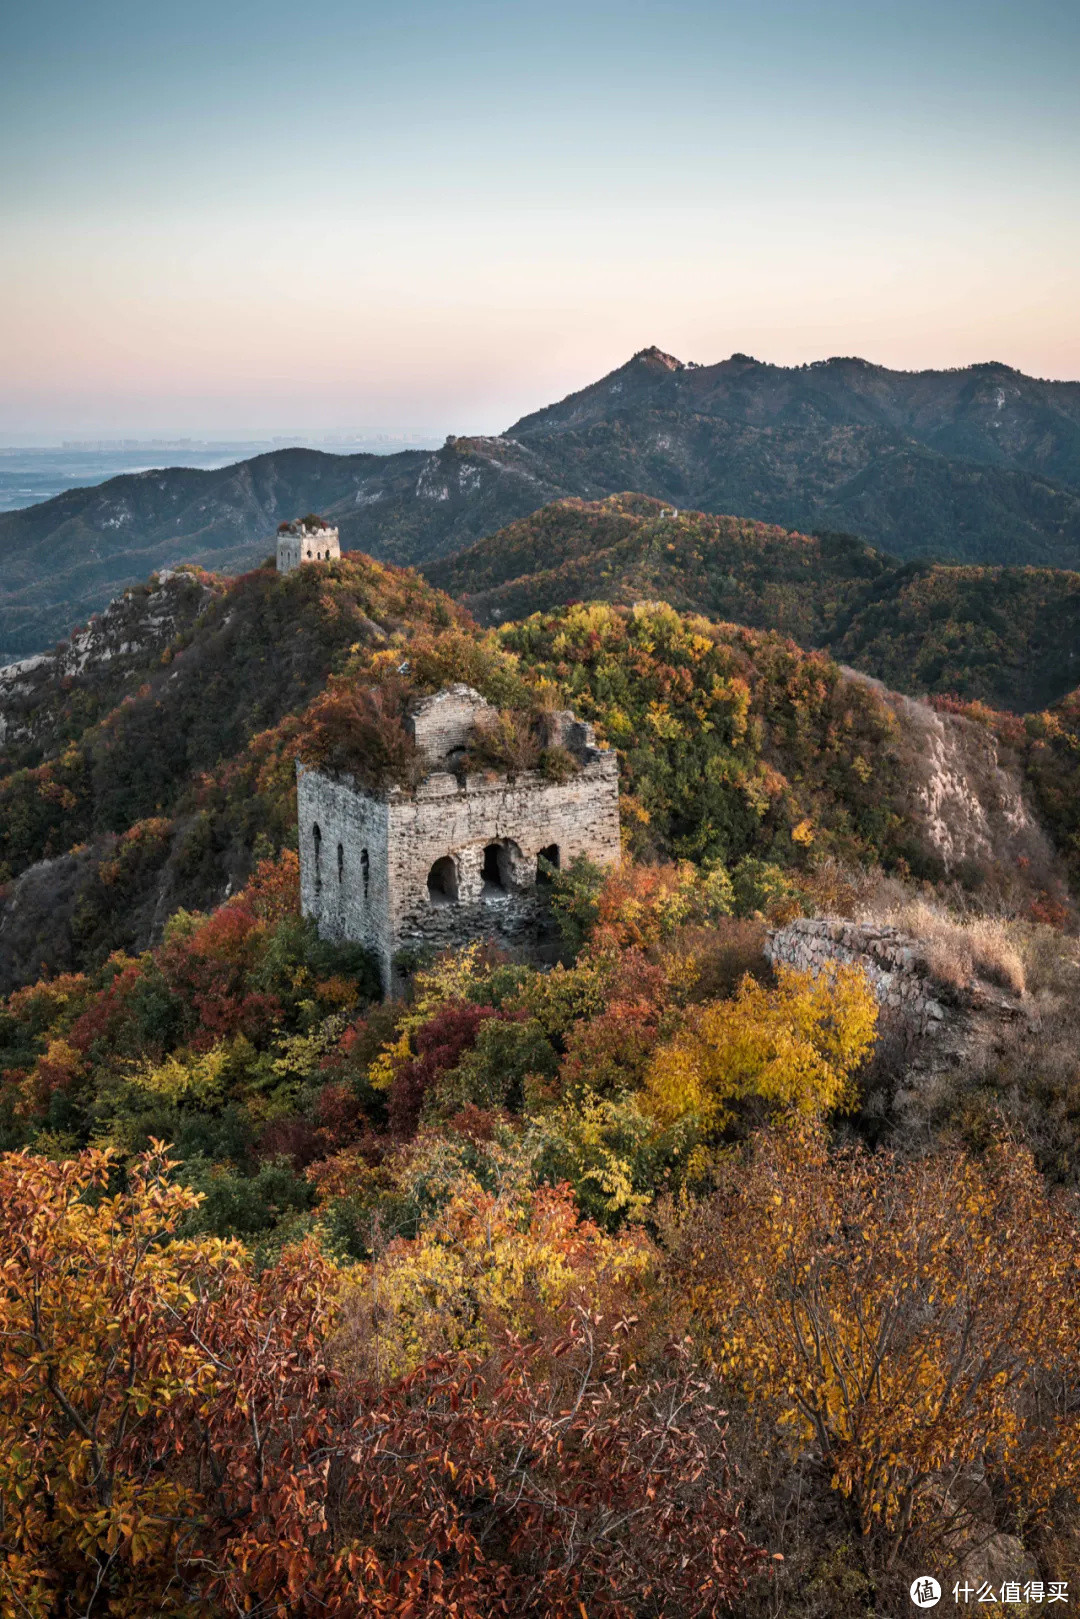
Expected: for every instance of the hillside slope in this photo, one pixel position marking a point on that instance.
(980, 465)
(114, 813)
(51, 698)
(988, 413)
(630, 547)
(734, 743)
(1007, 636)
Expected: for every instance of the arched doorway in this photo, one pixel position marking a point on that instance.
(497, 871)
(442, 883)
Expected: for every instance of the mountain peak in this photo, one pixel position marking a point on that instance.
(653, 356)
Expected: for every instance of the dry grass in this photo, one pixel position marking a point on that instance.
(1051, 961)
(505, 742)
(838, 888)
(959, 950)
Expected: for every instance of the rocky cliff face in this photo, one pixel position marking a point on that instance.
(93, 668)
(964, 793)
(929, 1032)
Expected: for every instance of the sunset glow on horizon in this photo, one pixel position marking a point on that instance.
(417, 220)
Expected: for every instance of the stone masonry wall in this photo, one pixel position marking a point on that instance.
(443, 723)
(301, 545)
(890, 959)
(524, 815)
(336, 895)
(405, 834)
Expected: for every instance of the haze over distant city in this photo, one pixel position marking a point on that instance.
(349, 218)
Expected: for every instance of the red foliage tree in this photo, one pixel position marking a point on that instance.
(439, 1044)
(174, 1436)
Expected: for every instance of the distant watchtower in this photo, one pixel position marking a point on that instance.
(463, 855)
(309, 539)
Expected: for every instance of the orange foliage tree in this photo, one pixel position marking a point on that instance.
(175, 1438)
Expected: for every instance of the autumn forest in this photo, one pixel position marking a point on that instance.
(654, 1279)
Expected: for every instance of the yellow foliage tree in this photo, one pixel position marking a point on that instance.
(89, 1295)
(186, 1077)
(795, 1047)
(490, 1261)
(909, 1321)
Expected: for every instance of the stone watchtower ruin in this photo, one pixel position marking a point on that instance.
(309, 539)
(459, 857)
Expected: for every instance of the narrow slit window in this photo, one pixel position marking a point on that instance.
(340, 862)
(316, 839)
(365, 870)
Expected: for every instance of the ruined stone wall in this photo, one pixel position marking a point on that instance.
(288, 553)
(442, 724)
(303, 545)
(404, 835)
(524, 815)
(890, 959)
(333, 890)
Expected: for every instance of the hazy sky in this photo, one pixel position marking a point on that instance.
(427, 217)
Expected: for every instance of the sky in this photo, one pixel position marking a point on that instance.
(334, 216)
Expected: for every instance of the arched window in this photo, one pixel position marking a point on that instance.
(442, 884)
(365, 870)
(547, 861)
(498, 871)
(316, 838)
(340, 862)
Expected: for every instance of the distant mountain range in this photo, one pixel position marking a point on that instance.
(977, 465)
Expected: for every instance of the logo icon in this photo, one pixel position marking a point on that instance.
(925, 1591)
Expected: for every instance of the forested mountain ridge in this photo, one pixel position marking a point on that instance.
(1005, 636)
(988, 412)
(979, 465)
(124, 796)
(67, 557)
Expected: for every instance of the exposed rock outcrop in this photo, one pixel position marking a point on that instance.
(110, 652)
(965, 797)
